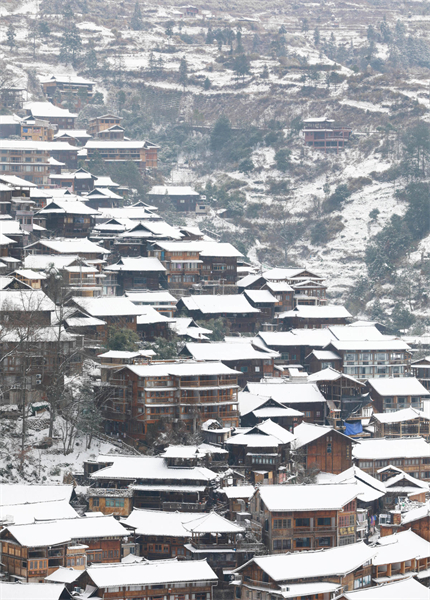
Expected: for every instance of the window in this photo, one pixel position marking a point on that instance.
(325, 542)
(324, 521)
(281, 523)
(281, 544)
(303, 522)
(345, 541)
(96, 502)
(303, 542)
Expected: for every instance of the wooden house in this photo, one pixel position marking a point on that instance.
(306, 517)
(71, 88)
(70, 246)
(313, 317)
(301, 395)
(295, 345)
(263, 450)
(31, 278)
(407, 422)
(102, 123)
(408, 516)
(347, 399)
(137, 273)
(143, 154)
(68, 218)
(421, 370)
(324, 134)
(182, 198)
(252, 363)
(187, 578)
(55, 115)
(319, 573)
(36, 130)
(397, 590)
(255, 409)
(116, 312)
(322, 448)
(154, 483)
(264, 301)
(164, 534)
(399, 556)
(241, 316)
(318, 360)
(372, 358)
(33, 551)
(401, 488)
(394, 394)
(412, 455)
(75, 137)
(143, 398)
(24, 591)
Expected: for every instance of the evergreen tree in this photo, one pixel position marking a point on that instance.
(71, 44)
(44, 29)
(90, 60)
(256, 43)
(221, 133)
(152, 63)
(136, 20)
(282, 159)
(183, 72)
(239, 47)
(207, 84)
(210, 36)
(241, 65)
(317, 37)
(10, 34)
(265, 72)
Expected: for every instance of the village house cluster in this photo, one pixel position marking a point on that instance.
(308, 475)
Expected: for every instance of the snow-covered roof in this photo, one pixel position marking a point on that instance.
(64, 575)
(325, 355)
(211, 304)
(151, 297)
(156, 572)
(67, 207)
(70, 79)
(324, 496)
(308, 432)
(369, 345)
(370, 489)
(403, 482)
(125, 354)
(200, 451)
(345, 333)
(303, 311)
(238, 491)
(71, 246)
(16, 181)
(330, 374)
(227, 351)
(263, 296)
(398, 386)
(206, 249)
(141, 263)
(181, 369)
(397, 590)
(287, 392)
(148, 315)
(172, 190)
(46, 109)
(416, 514)
(121, 144)
(25, 301)
(279, 286)
(30, 591)
(249, 280)
(297, 337)
(50, 533)
(43, 261)
(251, 403)
(263, 435)
(280, 273)
(399, 547)
(315, 563)
(386, 449)
(149, 467)
(47, 510)
(400, 416)
(29, 274)
(108, 306)
(179, 524)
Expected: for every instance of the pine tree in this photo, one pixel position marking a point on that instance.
(210, 36)
(265, 72)
(317, 37)
(207, 84)
(152, 64)
(10, 34)
(241, 65)
(136, 20)
(44, 29)
(183, 72)
(71, 44)
(90, 60)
